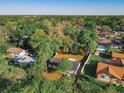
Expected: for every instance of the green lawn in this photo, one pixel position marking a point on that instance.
(92, 85)
(90, 68)
(117, 50)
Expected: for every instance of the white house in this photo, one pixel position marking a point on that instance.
(23, 59)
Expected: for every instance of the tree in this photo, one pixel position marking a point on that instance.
(88, 40)
(67, 43)
(64, 65)
(11, 73)
(4, 38)
(73, 33)
(44, 46)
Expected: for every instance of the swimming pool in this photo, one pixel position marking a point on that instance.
(102, 48)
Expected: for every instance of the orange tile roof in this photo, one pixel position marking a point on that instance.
(122, 61)
(117, 55)
(100, 66)
(116, 71)
(15, 50)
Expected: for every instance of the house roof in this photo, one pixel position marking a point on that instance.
(115, 71)
(117, 62)
(104, 41)
(15, 50)
(117, 55)
(122, 61)
(23, 59)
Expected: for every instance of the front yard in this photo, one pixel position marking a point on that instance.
(91, 85)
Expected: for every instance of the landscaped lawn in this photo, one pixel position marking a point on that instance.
(66, 56)
(94, 84)
(116, 50)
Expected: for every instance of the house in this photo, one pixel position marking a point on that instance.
(103, 44)
(117, 59)
(23, 59)
(72, 71)
(117, 55)
(16, 52)
(117, 62)
(110, 73)
(73, 59)
(104, 41)
(116, 44)
(107, 34)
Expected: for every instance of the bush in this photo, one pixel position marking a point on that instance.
(65, 65)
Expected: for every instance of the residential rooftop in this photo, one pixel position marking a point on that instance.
(118, 55)
(14, 50)
(115, 71)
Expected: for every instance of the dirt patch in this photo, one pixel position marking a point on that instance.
(52, 75)
(69, 56)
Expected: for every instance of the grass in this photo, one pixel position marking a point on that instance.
(90, 68)
(95, 84)
(116, 50)
(66, 56)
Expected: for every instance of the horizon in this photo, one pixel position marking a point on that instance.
(63, 7)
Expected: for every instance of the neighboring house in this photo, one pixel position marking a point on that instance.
(107, 33)
(16, 52)
(23, 59)
(116, 62)
(110, 73)
(117, 56)
(116, 44)
(104, 41)
(117, 59)
(18, 55)
(103, 44)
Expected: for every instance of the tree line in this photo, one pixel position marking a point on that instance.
(43, 36)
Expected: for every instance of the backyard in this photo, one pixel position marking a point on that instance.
(52, 75)
(90, 68)
(69, 56)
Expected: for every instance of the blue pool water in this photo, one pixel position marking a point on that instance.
(102, 48)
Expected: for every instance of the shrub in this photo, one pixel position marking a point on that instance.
(65, 65)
